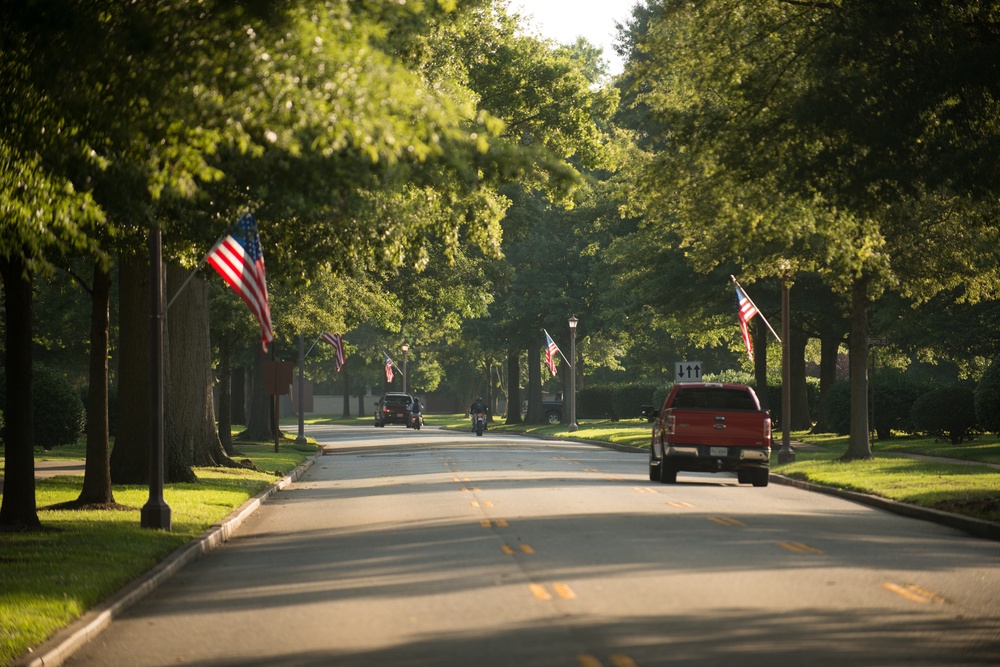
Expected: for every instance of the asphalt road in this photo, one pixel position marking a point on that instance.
(405, 548)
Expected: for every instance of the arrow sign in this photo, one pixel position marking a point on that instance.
(687, 371)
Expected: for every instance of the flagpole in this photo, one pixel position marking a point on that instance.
(311, 346)
(735, 282)
(194, 271)
(560, 350)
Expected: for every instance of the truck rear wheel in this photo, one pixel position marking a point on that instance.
(760, 476)
(654, 470)
(744, 476)
(668, 474)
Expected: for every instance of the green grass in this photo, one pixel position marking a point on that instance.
(51, 577)
(972, 490)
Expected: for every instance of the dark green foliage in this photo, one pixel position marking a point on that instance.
(895, 393)
(838, 408)
(947, 412)
(595, 402)
(59, 413)
(627, 399)
(617, 401)
(988, 398)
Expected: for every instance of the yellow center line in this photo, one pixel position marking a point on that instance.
(726, 521)
(474, 503)
(915, 593)
(679, 504)
(488, 503)
(799, 548)
(644, 489)
(527, 549)
(588, 661)
(485, 523)
(619, 660)
(564, 591)
(502, 523)
(539, 592)
(507, 549)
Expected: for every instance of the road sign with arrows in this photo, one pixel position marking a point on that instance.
(687, 371)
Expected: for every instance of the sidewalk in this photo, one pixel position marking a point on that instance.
(52, 468)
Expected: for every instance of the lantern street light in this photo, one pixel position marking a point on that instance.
(405, 347)
(572, 374)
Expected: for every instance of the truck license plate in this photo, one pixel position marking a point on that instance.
(718, 451)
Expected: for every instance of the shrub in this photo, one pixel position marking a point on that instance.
(59, 412)
(628, 399)
(615, 401)
(947, 412)
(838, 408)
(594, 402)
(987, 399)
(895, 393)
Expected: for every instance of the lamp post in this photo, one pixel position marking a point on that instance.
(572, 374)
(786, 454)
(405, 348)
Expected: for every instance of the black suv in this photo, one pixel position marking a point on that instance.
(393, 408)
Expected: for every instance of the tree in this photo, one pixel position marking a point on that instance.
(774, 161)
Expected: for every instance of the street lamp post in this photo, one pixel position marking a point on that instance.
(786, 454)
(405, 348)
(572, 374)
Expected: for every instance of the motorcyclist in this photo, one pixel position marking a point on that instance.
(416, 408)
(478, 406)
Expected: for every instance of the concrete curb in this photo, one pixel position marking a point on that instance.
(58, 648)
(978, 527)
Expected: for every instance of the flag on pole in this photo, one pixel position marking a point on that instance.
(746, 312)
(388, 367)
(338, 347)
(550, 353)
(240, 261)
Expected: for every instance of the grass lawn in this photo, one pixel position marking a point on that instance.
(51, 577)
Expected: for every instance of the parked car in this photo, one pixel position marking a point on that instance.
(552, 411)
(393, 408)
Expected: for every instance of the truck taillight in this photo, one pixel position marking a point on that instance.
(767, 429)
(671, 424)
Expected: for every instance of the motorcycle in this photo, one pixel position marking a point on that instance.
(416, 420)
(479, 422)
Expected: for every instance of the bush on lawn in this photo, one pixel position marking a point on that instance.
(59, 412)
(615, 401)
(988, 398)
(838, 408)
(895, 394)
(947, 412)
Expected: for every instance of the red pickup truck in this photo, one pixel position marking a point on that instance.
(709, 427)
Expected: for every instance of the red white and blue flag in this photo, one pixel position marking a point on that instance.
(388, 367)
(338, 347)
(550, 353)
(240, 261)
(746, 313)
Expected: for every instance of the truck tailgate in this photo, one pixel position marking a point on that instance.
(708, 427)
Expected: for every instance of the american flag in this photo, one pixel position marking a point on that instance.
(239, 260)
(746, 313)
(550, 353)
(388, 367)
(338, 347)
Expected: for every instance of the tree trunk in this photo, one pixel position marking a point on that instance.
(97, 474)
(859, 446)
(760, 332)
(490, 393)
(828, 355)
(361, 398)
(18, 511)
(259, 420)
(534, 415)
(129, 459)
(513, 386)
(800, 419)
(347, 392)
(225, 416)
(238, 388)
(189, 390)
